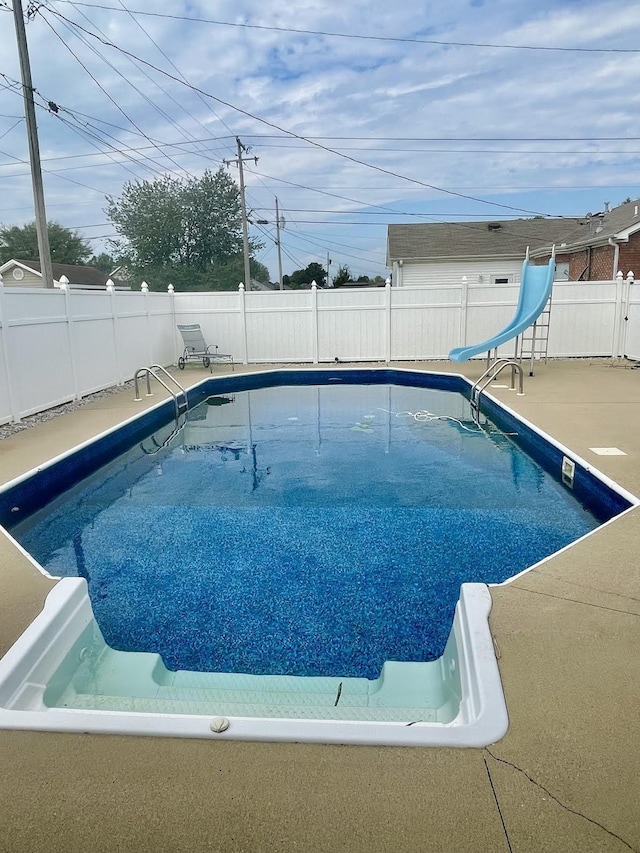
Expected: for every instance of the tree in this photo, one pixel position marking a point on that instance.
(342, 276)
(21, 243)
(103, 262)
(303, 278)
(223, 276)
(188, 232)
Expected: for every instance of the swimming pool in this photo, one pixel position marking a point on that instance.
(303, 514)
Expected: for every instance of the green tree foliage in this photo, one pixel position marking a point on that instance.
(303, 278)
(342, 276)
(103, 262)
(221, 276)
(21, 243)
(188, 232)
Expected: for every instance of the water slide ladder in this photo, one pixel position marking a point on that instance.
(490, 375)
(180, 401)
(533, 343)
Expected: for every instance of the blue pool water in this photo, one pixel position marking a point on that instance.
(303, 530)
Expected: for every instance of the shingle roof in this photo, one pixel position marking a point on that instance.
(428, 241)
(77, 274)
(507, 238)
(611, 223)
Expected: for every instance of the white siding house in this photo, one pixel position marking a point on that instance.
(20, 273)
(488, 253)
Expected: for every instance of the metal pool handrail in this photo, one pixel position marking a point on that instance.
(151, 371)
(491, 373)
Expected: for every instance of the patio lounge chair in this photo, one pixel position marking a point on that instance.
(195, 348)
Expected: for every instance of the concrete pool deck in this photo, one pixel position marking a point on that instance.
(564, 778)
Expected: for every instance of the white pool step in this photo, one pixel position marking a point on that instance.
(139, 682)
(215, 707)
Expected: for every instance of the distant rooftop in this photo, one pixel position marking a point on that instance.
(508, 238)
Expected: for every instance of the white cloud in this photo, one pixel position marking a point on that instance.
(326, 86)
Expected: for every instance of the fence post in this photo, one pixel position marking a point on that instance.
(114, 326)
(464, 309)
(625, 310)
(314, 314)
(64, 287)
(144, 289)
(174, 329)
(243, 317)
(387, 312)
(617, 316)
(4, 329)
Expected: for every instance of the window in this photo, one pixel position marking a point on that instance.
(18, 274)
(507, 278)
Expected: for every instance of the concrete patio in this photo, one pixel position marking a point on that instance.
(565, 777)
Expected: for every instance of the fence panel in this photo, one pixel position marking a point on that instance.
(351, 325)
(279, 327)
(631, 333)
(59, 345)
(425, 321)
(220, 316)
(582, 319)
(38, 348)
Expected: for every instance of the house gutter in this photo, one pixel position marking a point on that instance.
(616, 255)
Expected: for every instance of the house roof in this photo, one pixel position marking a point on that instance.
(77, 274)
(618, 224)
(509, 238)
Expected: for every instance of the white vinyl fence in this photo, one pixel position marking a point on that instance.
(60, 345)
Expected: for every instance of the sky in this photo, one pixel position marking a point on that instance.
(361, 113)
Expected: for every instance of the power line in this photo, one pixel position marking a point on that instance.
(89, 136)
(343, 253)
(99, 85)
(175, 67)
(294, 135)
(359, 36)
(594, 152)
(457, 138)
(13, 126)
(167, 94)
(386, 208)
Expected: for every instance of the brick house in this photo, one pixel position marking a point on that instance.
(611, 242)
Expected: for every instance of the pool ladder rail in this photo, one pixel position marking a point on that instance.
(490, 375)
(180, 400)
(179, 397)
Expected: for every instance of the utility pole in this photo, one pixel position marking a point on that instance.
(34, 150)
(245, 237)
(328, 266)
(278, 245)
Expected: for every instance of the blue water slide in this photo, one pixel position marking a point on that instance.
(535, 290)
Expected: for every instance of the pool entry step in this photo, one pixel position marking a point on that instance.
(100, 678)
(60, 675)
